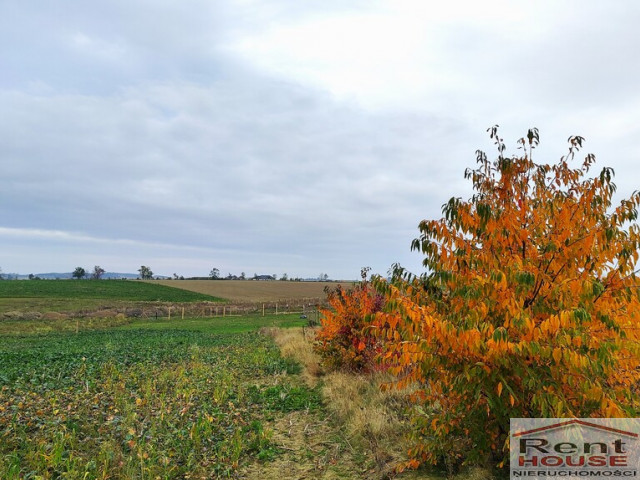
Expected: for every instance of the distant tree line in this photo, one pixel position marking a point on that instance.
(80, 273)
(145, 273)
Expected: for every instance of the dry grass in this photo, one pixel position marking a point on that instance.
(296, 343)
(374, 420)
(253, 291)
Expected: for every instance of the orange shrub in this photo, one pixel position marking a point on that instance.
(529, 309)
(345, 340)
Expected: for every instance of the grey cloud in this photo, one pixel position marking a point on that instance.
(132, 121)
(255, 165)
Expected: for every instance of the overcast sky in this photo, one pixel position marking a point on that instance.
(273, 136)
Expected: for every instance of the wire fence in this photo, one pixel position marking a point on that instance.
(305, 307)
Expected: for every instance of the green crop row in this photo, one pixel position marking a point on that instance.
(188, 399)
(121, 290)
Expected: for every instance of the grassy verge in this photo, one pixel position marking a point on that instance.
(373, 420)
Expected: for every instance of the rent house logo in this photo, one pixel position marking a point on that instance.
(578, 447)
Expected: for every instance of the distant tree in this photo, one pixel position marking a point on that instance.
(1, 275)
(284, 277)
(31, 276)
(323, 277)
(98, 271)
(214, 274)
(175, 276)
(145, 273)
(275, 277)
(79, 273)
(243, 276)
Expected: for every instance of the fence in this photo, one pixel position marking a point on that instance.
(306, 306)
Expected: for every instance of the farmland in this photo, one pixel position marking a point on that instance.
(252, 291)
(105, 290)
(140, 398)
(76, 295)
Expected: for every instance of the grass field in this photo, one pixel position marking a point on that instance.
(146, 400)
(103, 289)
(70, 295)
(252, 291)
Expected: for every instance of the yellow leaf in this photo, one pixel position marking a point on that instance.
(499, 388)
(557, 355)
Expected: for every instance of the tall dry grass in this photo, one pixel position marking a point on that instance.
(375, 420)
(297, 344)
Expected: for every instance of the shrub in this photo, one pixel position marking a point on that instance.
(529, 307)
(345, 340)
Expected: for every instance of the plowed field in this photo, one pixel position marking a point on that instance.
(252, 290)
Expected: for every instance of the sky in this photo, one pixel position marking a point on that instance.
(280, 136)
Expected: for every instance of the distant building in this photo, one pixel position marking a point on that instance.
(263, 277)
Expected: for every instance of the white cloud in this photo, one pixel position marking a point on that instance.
(463, 57)
(391, 55)
(97, 48)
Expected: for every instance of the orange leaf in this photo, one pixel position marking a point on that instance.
(557, 355)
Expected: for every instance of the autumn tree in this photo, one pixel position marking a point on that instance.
(529, 307)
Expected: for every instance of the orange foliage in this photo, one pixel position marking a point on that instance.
(345, 340)
(529, 307)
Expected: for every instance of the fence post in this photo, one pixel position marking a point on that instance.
(182, 313)
(169, 313)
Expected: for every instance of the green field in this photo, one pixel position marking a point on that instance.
(127, 290)
(124, 397)
(180, 399)
(85, 295)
